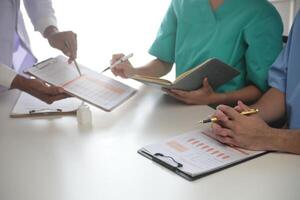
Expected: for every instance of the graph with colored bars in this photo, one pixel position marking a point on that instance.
(207, 148)
(202, 152)
(100, 90)
(97, 90)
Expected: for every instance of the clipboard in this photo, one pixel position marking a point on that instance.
(183, 174)
(29, 106)
(190, 155)
(92, 87)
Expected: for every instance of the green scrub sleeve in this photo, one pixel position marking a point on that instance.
(164, 45)
(264, 40)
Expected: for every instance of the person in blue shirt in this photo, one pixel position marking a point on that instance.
(282, 100)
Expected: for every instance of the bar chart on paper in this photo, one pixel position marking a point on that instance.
(97, 91)
(198, 153)
(92, 87)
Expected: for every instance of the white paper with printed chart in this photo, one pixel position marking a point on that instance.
(197, 153)
(92, 87)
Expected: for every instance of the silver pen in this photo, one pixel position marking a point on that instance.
(123, 59)
(76, 65)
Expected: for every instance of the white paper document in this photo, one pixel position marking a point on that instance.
(92, 87)
(198, 153)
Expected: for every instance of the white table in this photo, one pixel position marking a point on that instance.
(55, 159)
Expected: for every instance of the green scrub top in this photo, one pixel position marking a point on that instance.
(246, 34)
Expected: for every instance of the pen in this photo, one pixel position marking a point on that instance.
(214, 119)
(123, 59)
(76, 65)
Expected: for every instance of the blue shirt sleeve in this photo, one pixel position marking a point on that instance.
(278, 71)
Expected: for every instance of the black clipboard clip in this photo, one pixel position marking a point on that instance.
(179, 165)
(177, 169)
(45, 111)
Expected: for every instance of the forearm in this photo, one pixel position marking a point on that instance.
(271, 105)
(156, 68)
(41, 14)
(283, 140)
(20, 83)
(247, 94)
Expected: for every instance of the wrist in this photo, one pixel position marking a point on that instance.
(217, 98)
(20, 83)
(135, 71)
(49, 31)
(271, 140)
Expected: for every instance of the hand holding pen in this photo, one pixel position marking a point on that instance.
(215, 119)
(234, 129)
(120, 66)
(58, 39)
(67, 45)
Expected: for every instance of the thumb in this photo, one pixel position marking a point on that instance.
(116, 57)
(53, 91)
(230, 112)
(241, 107)
(206, 83)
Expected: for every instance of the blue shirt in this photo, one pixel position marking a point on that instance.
(284, 75)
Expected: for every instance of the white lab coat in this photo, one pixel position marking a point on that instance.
(41, 15)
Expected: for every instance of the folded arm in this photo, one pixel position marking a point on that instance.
(271, 106)
(284, 140)
(252, 132)
(247, 94)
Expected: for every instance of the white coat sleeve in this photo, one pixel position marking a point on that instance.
(41, 14)
(7, 76)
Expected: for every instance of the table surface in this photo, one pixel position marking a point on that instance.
(54, 158)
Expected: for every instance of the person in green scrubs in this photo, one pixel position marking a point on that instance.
(246, 34)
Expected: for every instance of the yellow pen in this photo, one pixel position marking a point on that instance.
(214, 119)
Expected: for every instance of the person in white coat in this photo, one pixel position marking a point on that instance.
(15, 52)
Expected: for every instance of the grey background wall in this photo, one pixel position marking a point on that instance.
(287, 9)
